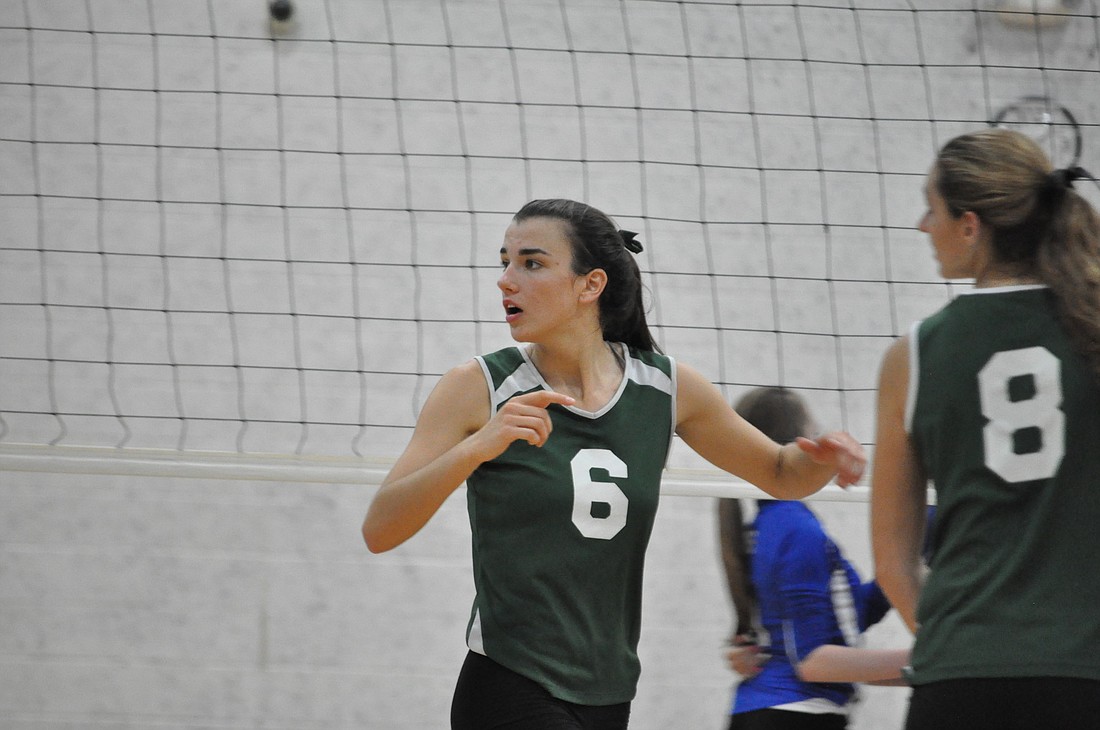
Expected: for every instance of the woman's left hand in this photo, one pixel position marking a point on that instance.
(746, 657)
(839, 450)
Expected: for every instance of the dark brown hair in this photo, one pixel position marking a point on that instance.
(597, 244)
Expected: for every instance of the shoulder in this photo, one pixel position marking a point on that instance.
(894, 381)
(895, 362)
(458, 404)
(897, 354)
(651, 369)
(696, 396)
(790, 523)
(462, 388)
(691, 383)
(497, 367)
(650, 358)
(506, 358)
(472, 369)
(794, 540)
(993, 302)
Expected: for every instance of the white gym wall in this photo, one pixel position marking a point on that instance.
(163, 161)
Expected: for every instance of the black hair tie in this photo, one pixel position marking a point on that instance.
(629, 241)
(1064, 177)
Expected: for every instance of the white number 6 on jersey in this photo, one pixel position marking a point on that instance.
(1041, 411)
(587, 492)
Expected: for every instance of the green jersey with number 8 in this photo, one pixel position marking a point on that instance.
(560, 532)
(1005, 417)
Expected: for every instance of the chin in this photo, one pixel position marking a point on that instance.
(955, 275)
(951, 274)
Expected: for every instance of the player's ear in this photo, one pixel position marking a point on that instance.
(971, 226)
(593, 284)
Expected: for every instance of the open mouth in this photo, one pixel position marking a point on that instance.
(511, 312)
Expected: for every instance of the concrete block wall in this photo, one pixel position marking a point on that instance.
(173, 603)
(130, 602)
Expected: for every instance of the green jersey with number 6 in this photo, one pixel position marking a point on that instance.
(1005, 416)
(560, 532)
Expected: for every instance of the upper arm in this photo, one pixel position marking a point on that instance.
(897, 478)
(711, 427)
(898, 488)
(457, 407)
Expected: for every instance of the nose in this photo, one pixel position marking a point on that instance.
(504, 283)
(922, 223)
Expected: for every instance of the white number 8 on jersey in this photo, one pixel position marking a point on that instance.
(1007, 417)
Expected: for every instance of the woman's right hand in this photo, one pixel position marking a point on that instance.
(454, 434)
(523, 418)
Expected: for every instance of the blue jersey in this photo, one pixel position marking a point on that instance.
(809, 595)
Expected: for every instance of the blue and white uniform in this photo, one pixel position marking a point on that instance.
(808, 595)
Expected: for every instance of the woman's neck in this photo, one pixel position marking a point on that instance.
(989, 282)
(994, 275)
(590, 373)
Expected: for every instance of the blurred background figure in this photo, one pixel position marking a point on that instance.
(800, 605)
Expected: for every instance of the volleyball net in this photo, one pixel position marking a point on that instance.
(237, 249)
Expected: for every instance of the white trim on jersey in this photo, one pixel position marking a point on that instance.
(474, 639)
(672, 390)
(523, 379)
(520, 380)
(814, 706)
(643, 374)
(914, 375)
(1002, 289)
(844, 607)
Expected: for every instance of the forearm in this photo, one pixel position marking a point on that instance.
(899, 492)
(716, 432)
(901, 580)
(898, 506)
(798, 475)
(832, 663)
(405, 502)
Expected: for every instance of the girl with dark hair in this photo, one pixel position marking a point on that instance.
(561, 444)
(801, 606)
(995, 400)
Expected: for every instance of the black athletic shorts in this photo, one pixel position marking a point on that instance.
(1050, 703)
(770, 719)
(491, 697)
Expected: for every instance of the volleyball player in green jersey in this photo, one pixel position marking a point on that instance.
(995, 399)
(561, 443)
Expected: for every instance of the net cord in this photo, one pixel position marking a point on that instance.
(298, 469)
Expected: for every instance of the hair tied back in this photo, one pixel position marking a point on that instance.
(1065, 176)
(629, 241)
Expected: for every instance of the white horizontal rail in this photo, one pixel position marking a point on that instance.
(316, 469)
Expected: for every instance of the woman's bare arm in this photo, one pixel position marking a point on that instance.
(710, 426)
(832, 663)
(454, 434)
(898, 492)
